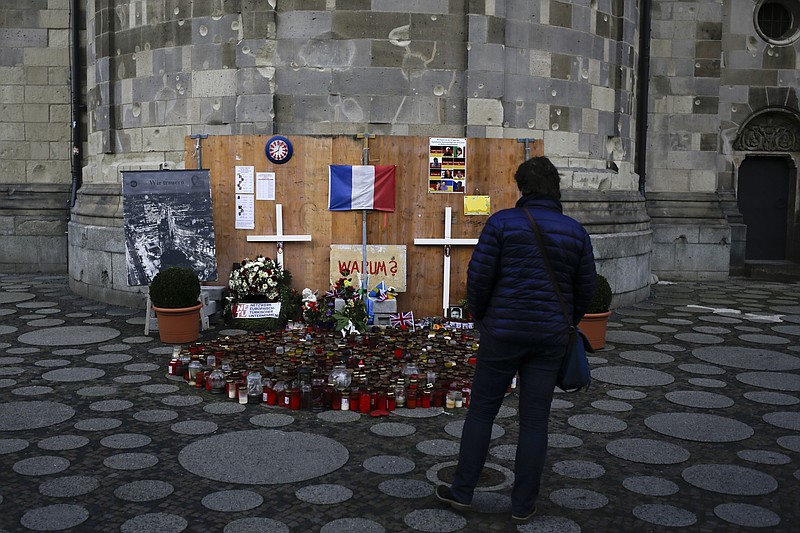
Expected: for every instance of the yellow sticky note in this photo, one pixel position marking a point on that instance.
(476, 205)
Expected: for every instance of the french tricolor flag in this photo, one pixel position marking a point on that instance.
(353, 187)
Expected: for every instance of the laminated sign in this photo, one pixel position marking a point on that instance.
(257, 310)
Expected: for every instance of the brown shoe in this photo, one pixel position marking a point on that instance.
(523, 519)
(443, 494)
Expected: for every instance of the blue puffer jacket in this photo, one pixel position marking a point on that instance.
(509, 290)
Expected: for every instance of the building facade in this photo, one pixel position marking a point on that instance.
(674, 124)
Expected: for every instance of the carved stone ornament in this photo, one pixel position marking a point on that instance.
(770, 132)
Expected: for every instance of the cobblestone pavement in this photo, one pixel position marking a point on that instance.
(692, 423)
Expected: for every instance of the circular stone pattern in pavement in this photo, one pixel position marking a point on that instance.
(161, 522)
(632, 376)
(664, 515)
(771, 380)
(54, 517)
(579, 469)
(784, 419)
(764, 457)
(393, 429)
(435, 520)
(747, 358)
(438, 447)
(699, 427)
(14, 297)
(348, 525)
(642, 356)
(650, 486)
(597, 423)
(271, 420)
(125, 441)
(256, 525)
(63, 442)
(771, 398)
(324, 494)
(69, 487)
(746, 515)
(648, 451)
(41, 466)
(232, 501)
(156, 415)
(578, 499)
(194, 427)
(707, 400)
(74, 374)
(12, 445)
(454, 429)
(263, 457)
(389, 464)
(631, 337)
(146, 490)
(406, 488)
(69, 336)
(16, 416)
(729, 479)
(131, 461)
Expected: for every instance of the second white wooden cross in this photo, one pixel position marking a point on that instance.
(447, 242)
(279, 238)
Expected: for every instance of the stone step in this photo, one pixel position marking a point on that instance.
(772, 270)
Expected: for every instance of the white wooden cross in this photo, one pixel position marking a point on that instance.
(447, 242)
(279, 238)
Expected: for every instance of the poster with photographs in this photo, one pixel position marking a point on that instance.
(447, 158)
(168, 222)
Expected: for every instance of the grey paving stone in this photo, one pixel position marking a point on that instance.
(561, 440)
(118, 347)
(194, 427)
(51, 311)
(786, 330)
(505, 452)
(579, 469)
(790, 442)
(12, 445)
(699, 338)
(506, 412)
(764, 457)
(699, 427)
(141, 367)
(729, 479)
(709, 370)
(550, 524)
(352, 525)
(648, 451)
(324, 494)
(161, 522)
(388, 464)
(491, 503)
(707, 382)
(41, 466)
(701, 399)
(455, 428)
(14, 297)
(11, 370)
(160, 388)
(97, 321)
(438, 447)
(271, 420)
(771, 380)
(626, 394)
(63, 442)
(7, 382)
(612, 406)
(747, 358)
(54, 517)
(125, 441)
(654, 328)
(130, 461)
(650, 486)
(578, 499)
(406, 488)
(664, 515)
(558, 403)
(764, 339)
(749, 329)
(393, 429)
(643, 356)
(156, 415)
(146, 490)
(597, 423)
(23, 350)
(428, 412)
(100, 390)
(33, 390)
(109, 406)
(746, 515)
(223, 408)
(132, 379)
(632, 376)
(631, 337)
(256, 525)
(50, 363)
(69, 336)
(11, 360)
(720, 319)
(109, 358)
(434, 520)
(74, 374)
(231, 501)
(98, 424)
(784, 420)
(771, 398)
(46, 322)
(263, 457)
(69, 487)
(181, 400)
(16, 416)
(711, 330)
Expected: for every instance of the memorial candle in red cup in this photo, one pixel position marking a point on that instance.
(296, 397)
(363, 402)
(336, 400)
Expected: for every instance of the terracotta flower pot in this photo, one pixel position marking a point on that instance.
(594, 327)
(178, 326)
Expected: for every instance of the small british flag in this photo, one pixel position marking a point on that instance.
(402, 320)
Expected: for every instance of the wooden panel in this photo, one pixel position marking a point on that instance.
(302, 189)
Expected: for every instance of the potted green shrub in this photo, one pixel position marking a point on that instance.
(595, 321)
(174, 294)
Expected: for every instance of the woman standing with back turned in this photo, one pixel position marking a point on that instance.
(523, 329)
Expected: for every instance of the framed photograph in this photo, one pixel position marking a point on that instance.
(455, 312)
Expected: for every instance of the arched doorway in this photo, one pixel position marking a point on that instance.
(763, 200)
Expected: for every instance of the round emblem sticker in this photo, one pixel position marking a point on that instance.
(279, 149)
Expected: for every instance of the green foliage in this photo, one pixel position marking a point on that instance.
(175, 288)
(601, 302)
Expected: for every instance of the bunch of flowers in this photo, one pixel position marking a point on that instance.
(261, 277)
(312, 312)
(349, 318)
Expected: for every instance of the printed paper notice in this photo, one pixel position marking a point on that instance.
(447, 159)
(245, 212)
(265, 185)
(257, 310)
(244, 180)
(476, 205)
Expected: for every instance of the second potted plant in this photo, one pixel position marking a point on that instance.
(174, 293)
(595, 321)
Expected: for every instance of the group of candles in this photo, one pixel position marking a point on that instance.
(374, 373)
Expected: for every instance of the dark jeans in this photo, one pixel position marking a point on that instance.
(498, 361)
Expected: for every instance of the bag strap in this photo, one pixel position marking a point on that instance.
(549, 266)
